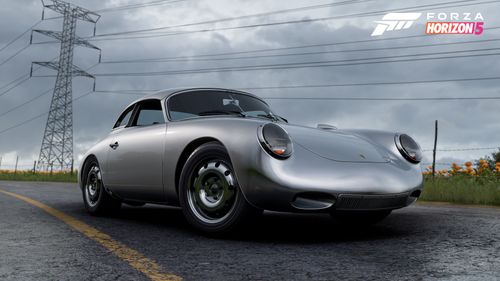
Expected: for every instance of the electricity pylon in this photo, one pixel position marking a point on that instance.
(57, 144)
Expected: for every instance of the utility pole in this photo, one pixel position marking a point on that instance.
(17, 161)
(434, 149)
(57, 142)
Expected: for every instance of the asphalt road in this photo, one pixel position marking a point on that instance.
(423, 242)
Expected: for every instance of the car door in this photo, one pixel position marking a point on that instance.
(135, 158)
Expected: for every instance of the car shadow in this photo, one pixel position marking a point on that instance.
(273, 227)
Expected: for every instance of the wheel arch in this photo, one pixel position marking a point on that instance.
(81, 172)
(188, 150)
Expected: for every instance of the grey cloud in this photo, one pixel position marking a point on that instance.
(463, 123)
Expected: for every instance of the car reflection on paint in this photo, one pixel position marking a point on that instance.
(224, 156)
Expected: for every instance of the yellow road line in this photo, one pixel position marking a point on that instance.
(135, 259)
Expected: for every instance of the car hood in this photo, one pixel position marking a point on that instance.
(336, 145)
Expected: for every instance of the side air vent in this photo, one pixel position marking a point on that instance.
(313, 201)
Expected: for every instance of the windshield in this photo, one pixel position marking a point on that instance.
(204, 103)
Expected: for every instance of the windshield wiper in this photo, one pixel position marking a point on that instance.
(268, 116)
(219, 112)
(273, 117)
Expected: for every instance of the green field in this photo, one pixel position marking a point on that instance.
(30, 176)
(463, 189)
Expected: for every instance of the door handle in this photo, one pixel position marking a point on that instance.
(114, 145)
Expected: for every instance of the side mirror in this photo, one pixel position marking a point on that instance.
(326, 127)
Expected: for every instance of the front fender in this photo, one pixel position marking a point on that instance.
(98, 151)
(383, 139)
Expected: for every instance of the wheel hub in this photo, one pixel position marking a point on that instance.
(212, 195)
(93, 186)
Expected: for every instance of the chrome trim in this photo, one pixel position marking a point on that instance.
(402, 150)
(265, 146)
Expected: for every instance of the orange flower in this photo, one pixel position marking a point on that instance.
(468, 164)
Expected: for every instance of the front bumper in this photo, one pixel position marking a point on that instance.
(306, 181)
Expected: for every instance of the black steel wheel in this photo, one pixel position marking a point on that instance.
(209, 194)
(96, 199)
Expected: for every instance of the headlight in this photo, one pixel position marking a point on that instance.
(409, 148)
(275, 141)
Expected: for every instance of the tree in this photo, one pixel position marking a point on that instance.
(496, 156)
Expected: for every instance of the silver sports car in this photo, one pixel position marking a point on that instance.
(223, 155)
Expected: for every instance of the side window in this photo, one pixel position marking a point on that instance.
(124, 118)
(149, 113)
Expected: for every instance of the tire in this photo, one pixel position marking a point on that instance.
(96, 199)
(359, 218)
(209, 194)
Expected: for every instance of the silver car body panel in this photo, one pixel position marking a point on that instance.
(355, 164)
(135, 168)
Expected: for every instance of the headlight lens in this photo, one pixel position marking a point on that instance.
(409, 148)
(275, 141)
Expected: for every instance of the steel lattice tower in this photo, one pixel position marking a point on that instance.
(57, 145)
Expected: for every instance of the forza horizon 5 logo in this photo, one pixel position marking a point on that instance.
(395, 21)
(437, 23)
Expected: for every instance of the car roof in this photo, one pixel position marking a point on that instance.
(164, 94)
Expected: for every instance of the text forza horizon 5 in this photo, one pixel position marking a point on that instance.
(437, 23)
(454, 28)
(464, 23)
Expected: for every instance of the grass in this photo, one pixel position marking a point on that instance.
(30, 176)
(463, 189)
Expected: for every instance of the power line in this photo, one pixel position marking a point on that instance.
(38, 116)
(374, 13)
(127, 92)
(90, 92)
(311, 46)
(138, 5)
(386, 83)
(381, 99)
(27, 102)
(23, 77)
(304, 8)
(144, 92)
(14, 55)
(285, 22)
(23, 123)
(376, 83)
(313, 64)
(19, 36)
(129, 7)
(36, 97)
(17, 84)
(14, 81)
(180, 59)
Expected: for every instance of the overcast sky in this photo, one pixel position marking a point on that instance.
(463, 123)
